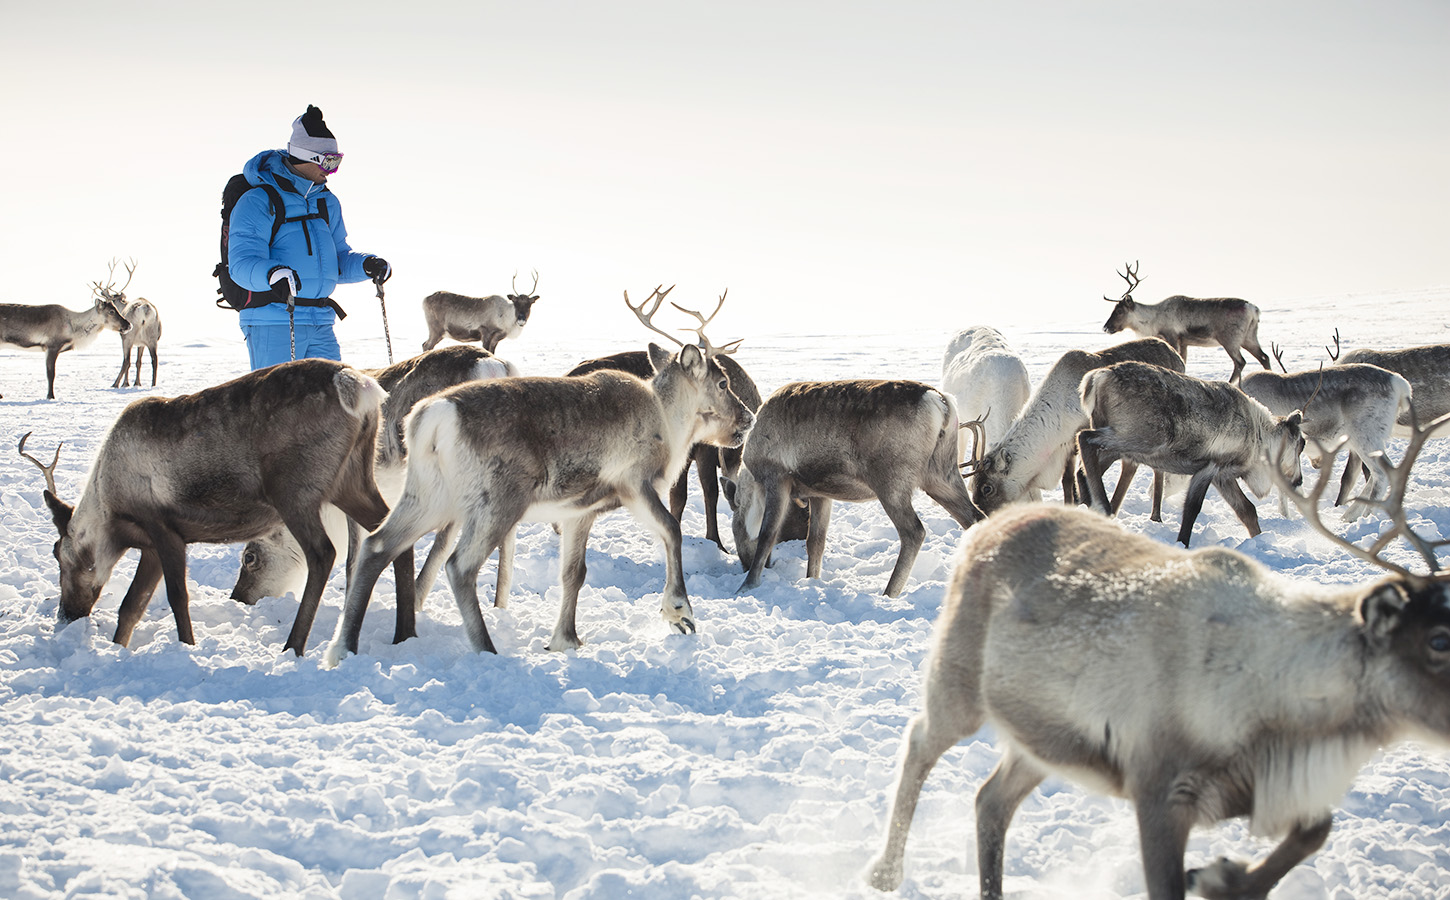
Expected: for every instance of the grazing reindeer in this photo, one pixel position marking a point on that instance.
(55, 329)
(144, 333)
(1197, 684)
(1357, 401)
(988, 381)
(1191, 322)
(485, 319)
(709, 459)
(486, 455)
(1039, 448)
(1182, 425)
(228, 463)
(847, 440)
(274, 564)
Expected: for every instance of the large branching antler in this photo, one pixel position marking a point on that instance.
(647, 308)
(1393, 506)
(109, 289)
(709, 348)
(515, 287)
(1130, 276)
(48, 470)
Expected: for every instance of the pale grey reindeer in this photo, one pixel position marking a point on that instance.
(1039, 450)
(274, 564)
(487, 320)
(487, 455)
(1354, 401)
(1184, 322)
(1197, 684)
(1180, 425)
(855, 440)
(989, 382)
(144, 334)
(1426, 368)
(55, 329)
(222, 465)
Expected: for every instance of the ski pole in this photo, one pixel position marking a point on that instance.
(387, 336)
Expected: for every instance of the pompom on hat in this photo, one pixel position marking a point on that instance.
(311, 137)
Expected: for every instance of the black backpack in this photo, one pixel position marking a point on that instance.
(233, 295)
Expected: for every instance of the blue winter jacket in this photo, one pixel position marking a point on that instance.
(316, 249)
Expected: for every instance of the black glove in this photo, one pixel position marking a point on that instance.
(284, 283)
(377, 268)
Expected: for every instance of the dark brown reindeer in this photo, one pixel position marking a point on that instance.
(1181, 425)
(847, 440)
(1197, 684)
(225, 464)
(55, 329)
(710, 460)
(486, 455)
(485, 319)
(1191, 322)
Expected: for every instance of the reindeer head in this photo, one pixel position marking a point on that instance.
(1124, 305)
(82, 573)
(523, 303)
(110, 300)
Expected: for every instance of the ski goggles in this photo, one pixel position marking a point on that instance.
(328, 162)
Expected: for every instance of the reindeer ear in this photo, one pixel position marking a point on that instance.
(60, 512)
(692, 361)
(1380, 611)
(1295, 418)
(659, 357)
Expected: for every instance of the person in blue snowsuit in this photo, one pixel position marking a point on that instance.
(308, 258)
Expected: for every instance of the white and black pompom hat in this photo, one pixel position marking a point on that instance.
(311, 139)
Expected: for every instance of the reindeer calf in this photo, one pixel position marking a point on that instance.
(846, 440)
(1198, 685)
(485, 319)
(1356, 402)
(144, 333)
(1181, 425)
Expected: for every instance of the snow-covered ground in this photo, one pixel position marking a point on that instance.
(752, 760)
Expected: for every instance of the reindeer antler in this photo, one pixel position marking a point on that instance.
(1130, 276)
(709, 348)
(652, 302)
(1278, 356)
(1393, 506)
(48, 470)
(515, 287)
(979, 441)
(1334, 354)
(108, 290)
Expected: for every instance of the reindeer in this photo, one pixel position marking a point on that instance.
(1181, 425)
(1197, 684)
(1191, 322)
(710, 461)
(485, 319)
(1426, 368)
(988, 381)
(846, 440)
(274, 564)
(144, 333)
(55, 329)
(225, 464)
(1357, 401)
(486, 455)
(1039, 448)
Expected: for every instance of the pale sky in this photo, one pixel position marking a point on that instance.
(841, 167)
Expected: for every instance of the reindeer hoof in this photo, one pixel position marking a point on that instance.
(1225, 879)
(685, 626)
(884, 876)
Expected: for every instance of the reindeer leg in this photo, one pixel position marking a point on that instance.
(675, 607)
(1242, 506)
(1229, 879)
(573, 539)
(443, 541)
(1159, 483)
(406, 624)
(1163, 827)
(171, 551)
(997, 800)
(1069, 477)
(1088, 444)
(50, 354)
(125, 365)
(680, 492)
(1348, 478)
(400, 530)
(1193, 502)
(1238, 359)
(505, 574)
(816, 535)
(317, 549)
(1126, 470)
(476, 540)
(777, 496)
(707, 467)
(911, 532)
(138, 596)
